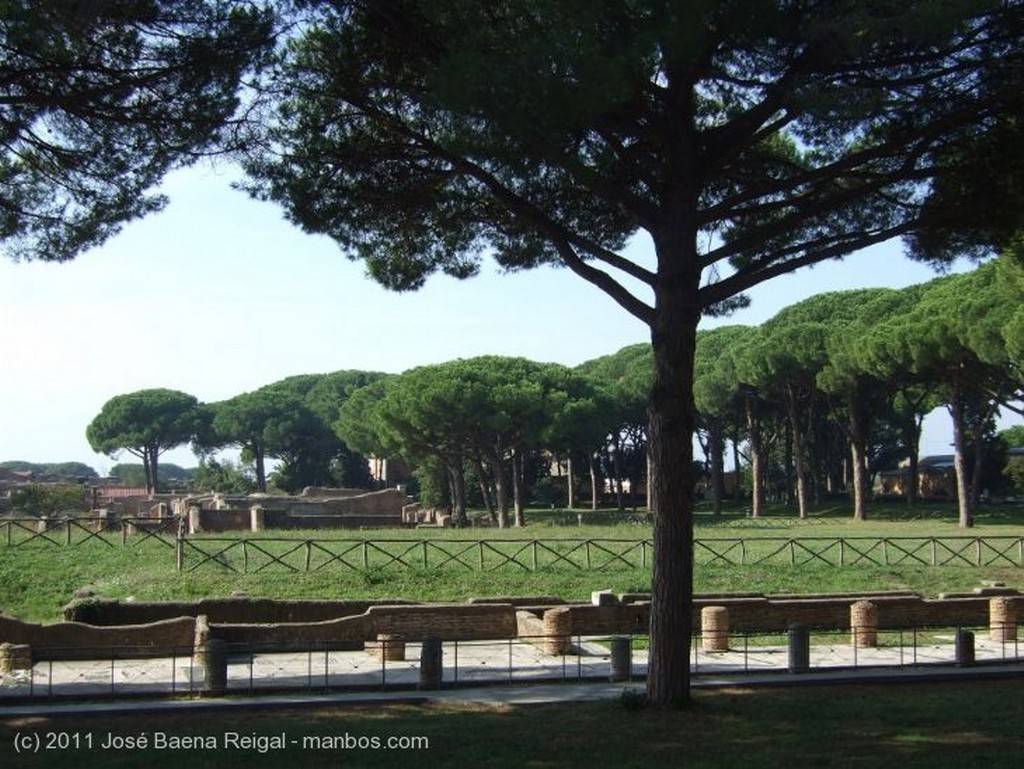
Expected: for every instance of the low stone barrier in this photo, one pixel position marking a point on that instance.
(342, 634)
(75, 640)
(146, 628)
(450, 622)
(232, 610)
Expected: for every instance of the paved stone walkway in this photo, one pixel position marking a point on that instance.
(475, 664)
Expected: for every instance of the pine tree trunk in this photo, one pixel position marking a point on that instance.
(716, 447)
(500, 487)
(956, 409)
(858, 461)
(799, 455)
(617, 469)
(261, 470)
(756, 460)
(458, 490)
(571, 484)
(672, 421)
(148, 463)
(485, 489)
(593, 482)
(518, 492)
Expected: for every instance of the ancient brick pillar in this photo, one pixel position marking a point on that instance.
(558, 631)
(15, 657)
(864, 624)
(1002, 619)
(388, 647)
(714, 628)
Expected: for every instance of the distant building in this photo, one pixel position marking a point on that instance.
(936, 479)
(389, 473)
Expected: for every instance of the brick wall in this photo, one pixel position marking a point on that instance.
(327, 508)
(138, 628)
(73, 640)
(237, 610)
(342, 633)
(456, 622)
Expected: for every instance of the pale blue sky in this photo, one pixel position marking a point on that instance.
(218, 294)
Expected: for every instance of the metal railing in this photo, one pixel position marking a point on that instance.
(321, 668)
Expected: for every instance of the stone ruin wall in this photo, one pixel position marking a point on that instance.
(315, 508)
(144, 629)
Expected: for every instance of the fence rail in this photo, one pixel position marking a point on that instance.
(252, 670)
(255, 554)
(71, 532)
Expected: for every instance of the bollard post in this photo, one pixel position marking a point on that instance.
(213, 657)
(1002, 614)
(964, 647)
(799, 648)
(431, 663)
(621, 658)
(864, 625)
(714, 628)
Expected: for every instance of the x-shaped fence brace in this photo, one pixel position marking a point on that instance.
(50, 531)
(147, 528)
(728, 547)
(219, 557)
(587, 554)
(333, 557)
(36, 533)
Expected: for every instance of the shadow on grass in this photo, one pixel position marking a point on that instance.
(920, 725)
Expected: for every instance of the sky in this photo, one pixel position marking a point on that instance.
(218, 295)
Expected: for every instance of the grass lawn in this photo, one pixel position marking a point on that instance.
(38, 578)
(931, 725)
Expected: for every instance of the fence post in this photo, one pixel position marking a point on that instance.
(179, 554)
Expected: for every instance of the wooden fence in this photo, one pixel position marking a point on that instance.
(70, 532)
(254, 554)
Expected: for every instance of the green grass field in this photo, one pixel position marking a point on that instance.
(910, 725)
(38, 577)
